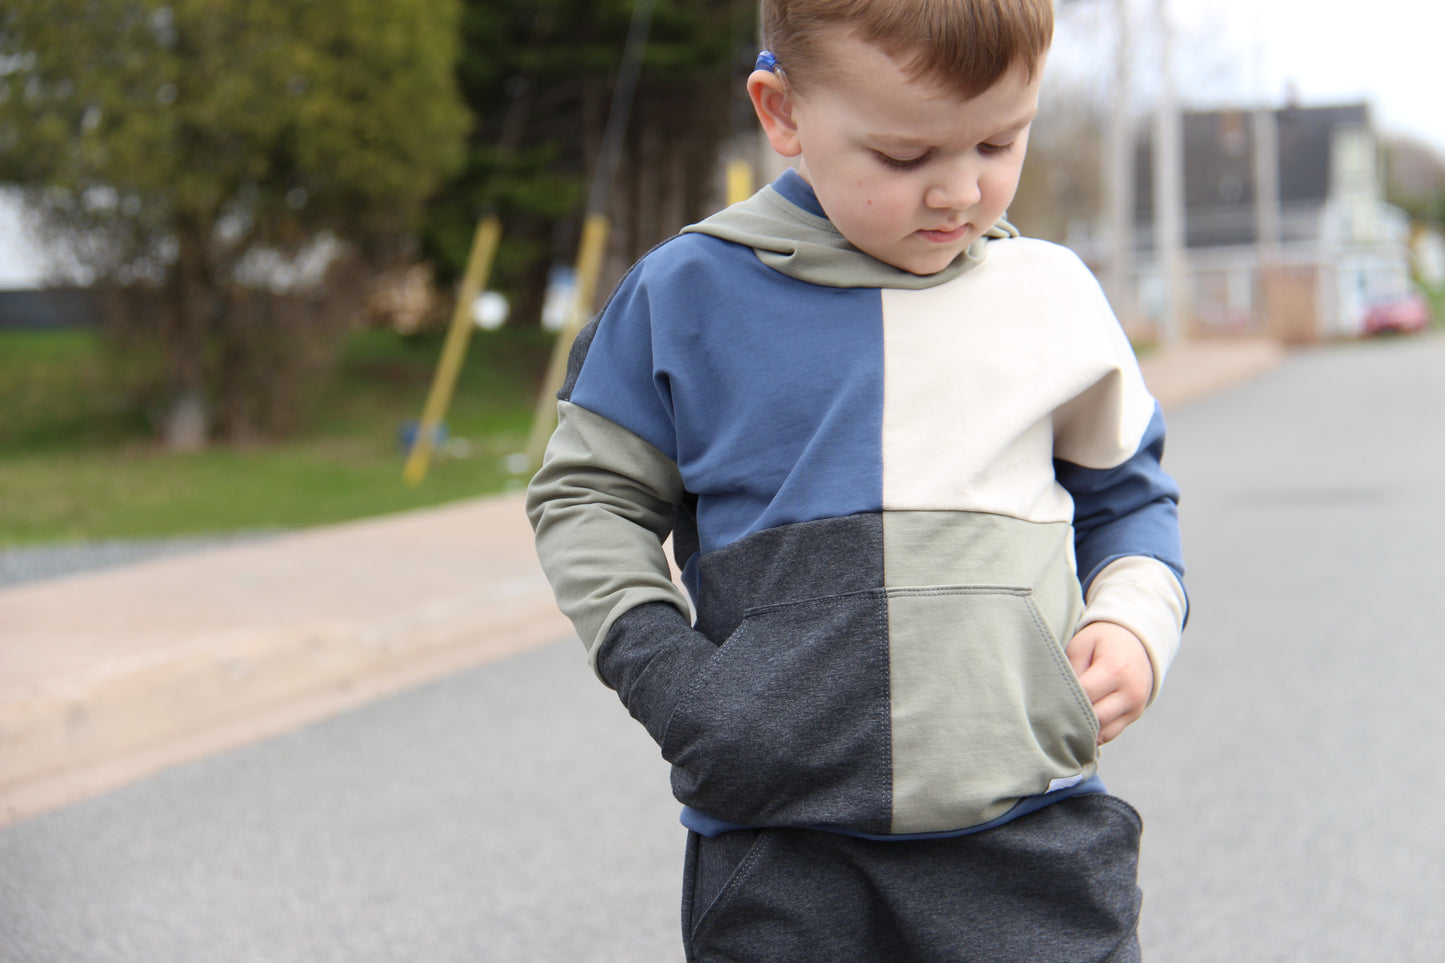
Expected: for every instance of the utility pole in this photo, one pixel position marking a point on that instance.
(1119, 175)
(1266, 183)
(595, 229)
(1169, 188)
(1266, 191)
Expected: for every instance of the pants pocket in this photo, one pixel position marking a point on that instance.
(794, 895)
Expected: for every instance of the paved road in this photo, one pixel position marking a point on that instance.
(506, 814)
(1290, 775)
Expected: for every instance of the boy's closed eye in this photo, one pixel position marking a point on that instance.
(912, 163)
(902, 163)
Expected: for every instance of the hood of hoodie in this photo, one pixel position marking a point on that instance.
(784, 224)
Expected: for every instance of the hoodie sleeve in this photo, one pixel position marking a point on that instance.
(1109, 450)
(601, 506)
(1126, 540)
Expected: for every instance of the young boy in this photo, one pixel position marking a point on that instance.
(912, 477)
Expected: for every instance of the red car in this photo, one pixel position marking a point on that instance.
(1406, 315)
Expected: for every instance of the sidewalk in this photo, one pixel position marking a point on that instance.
(1197, 369)
(108, 677)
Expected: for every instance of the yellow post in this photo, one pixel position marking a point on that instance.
(454, 350)
(740, 181)
(589, 266)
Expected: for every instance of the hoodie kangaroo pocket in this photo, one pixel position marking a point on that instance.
(788, 724)
(986, 708)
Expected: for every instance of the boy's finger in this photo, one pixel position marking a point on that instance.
(1097, 683)
(1080, 653)
(1117, 710)
(1112, 731)
(1111, 727)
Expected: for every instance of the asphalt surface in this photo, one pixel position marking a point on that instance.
(506, 814)
(1288, 775)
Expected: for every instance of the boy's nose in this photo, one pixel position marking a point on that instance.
(957, 190)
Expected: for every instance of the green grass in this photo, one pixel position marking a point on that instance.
(79, 461)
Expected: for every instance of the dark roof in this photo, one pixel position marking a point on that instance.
(50, 308)
(1219, 183)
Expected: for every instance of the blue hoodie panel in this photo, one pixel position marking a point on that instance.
(1130, 509)
(791, 185)
(767, 392)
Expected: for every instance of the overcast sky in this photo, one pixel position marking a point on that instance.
(1385, 52)
(21, 265)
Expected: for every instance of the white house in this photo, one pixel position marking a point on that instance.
(1303, 256)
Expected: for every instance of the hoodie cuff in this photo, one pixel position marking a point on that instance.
(1144, 596)
(650, 655)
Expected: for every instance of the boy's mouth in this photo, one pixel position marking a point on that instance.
(944, 237)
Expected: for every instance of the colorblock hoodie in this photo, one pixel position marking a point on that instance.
(893, 499)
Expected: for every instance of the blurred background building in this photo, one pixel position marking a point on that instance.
(1287, 227)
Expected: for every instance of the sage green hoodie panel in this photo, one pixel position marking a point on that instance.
(923, 549)
(600, 528)
(985, 707)
(802, 245)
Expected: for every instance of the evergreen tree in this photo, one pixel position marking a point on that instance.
(206, 150)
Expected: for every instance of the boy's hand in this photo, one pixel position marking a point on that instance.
(1114, 669)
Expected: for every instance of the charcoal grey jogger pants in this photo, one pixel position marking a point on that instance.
(1059, 884)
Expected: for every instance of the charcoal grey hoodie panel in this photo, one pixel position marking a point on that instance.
(882, 551)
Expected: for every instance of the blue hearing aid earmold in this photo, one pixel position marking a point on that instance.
(766, 61)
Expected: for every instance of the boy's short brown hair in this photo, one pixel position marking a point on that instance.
(965, 45)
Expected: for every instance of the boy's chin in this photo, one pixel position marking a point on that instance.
(922, 264)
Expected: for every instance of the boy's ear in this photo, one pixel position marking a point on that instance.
(773, 104)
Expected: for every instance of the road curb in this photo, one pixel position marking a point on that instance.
(100, 689)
